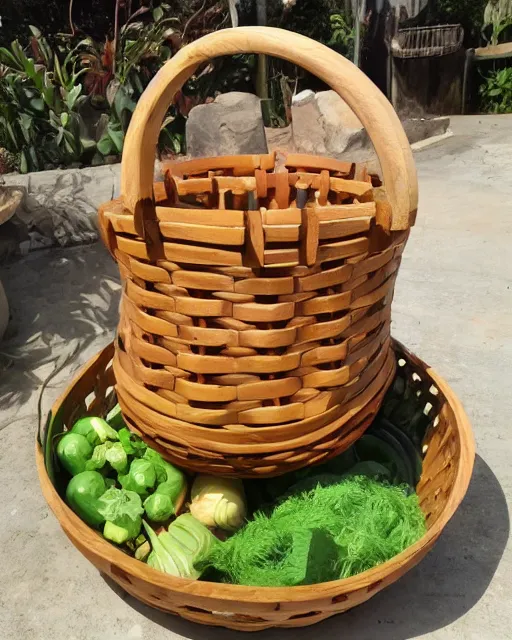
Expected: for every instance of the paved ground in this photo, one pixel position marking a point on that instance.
(453, 307)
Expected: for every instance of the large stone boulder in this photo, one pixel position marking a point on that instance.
(230, 125)
(308, 132)
(323, 124)
(343, 130)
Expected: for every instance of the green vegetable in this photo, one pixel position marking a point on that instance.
(161, 505)
(329, 532)
(83, 493)
(397, 445)
(73, 451)
(369, 447)
(408, 446)
(96, 430)
(131, 442)
(115, 418)
(218, 502)
(99, 457)
(177, 550)
(140, 478)
(158, 507)
(142, 552)
(122, 511)
(112, 452)
(116, 456)
(372, 469)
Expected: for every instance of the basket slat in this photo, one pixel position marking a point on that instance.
(447, 469)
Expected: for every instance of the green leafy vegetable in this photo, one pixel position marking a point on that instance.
(140, 478)
(171, 480)
(329, 532)
(122, 511)
(96, 430)
(132, 444)
(99, 457)
(116, 456)
(177, 550)
(115, 418)
(116, 503)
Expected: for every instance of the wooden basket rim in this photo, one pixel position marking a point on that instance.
(229, 592)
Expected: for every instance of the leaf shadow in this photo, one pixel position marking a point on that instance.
(55, 297)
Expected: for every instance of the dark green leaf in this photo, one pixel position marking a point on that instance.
(35, 31)
(72, 96)
(158, 14)
(37, 104)
(25, 122)
(116, 136)
(33, 158)
(24, 168)
(105, 145)
(9, 60)
(10, 129)
(87, 143)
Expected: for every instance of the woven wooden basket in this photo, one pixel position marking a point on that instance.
(254, 330)
(447, 469)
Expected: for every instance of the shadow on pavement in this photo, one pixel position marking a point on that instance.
(441, 589)
(55, 297)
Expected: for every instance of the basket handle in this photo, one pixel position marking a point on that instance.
(362, 96)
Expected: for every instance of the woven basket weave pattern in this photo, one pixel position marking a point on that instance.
(261, 345)
(447, 467)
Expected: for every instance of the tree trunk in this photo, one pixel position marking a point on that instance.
(233, 13)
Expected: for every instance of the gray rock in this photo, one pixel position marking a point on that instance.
(308, 133)
(323, 124)
(343, 130)
(422, 128)
(280, 138)
(230, 125)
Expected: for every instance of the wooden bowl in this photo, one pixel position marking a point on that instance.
(447, 469)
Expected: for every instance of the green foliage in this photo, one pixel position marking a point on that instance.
(39, 106)
(43, 89)
(496, 91)
(343, 35)
(311, 18)
(497, 16)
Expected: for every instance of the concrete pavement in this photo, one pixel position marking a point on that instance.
(453, 307)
